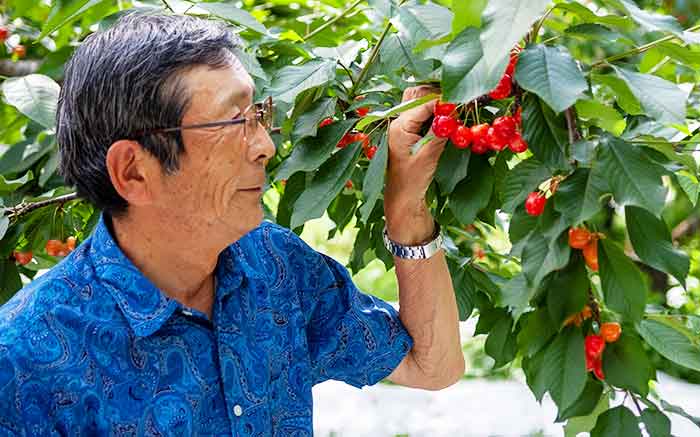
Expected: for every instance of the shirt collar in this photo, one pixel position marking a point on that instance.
(145, 306)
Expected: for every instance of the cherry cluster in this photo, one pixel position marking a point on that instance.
(353, 137)
(59, 248)
(18, 50)
(582, 239)
(505, 85)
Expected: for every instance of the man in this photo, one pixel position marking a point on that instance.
(183, 314)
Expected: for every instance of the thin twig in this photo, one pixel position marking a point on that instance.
(574, 134)
(168, 6)
(27, 207)
(372, 56)
(635, 402)
(640, 49)
(333, 20)
(348, 71)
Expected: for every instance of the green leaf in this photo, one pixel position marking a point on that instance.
(234, 14)
(327, 183)
(650, 20)
(307, 123)
(657, 423)
(10, 281)
(65, 11)
(563, 370)
(521, 180)
(345, 53)
(537, 330)
(473, 193)
(671, 343)
(626, 365)
(500, 344)
(464, 290)
(601, 115)
(568, 292)
(661, 99)
(311, 152)
(690, 185)
(545, 134)
(620, 91)
(35, 96)
(588, 16)
(467, 14)
(577, 425)
(552, 74)
(290, 81)
(515, 295)
(546, 249)
(460, 81)
(651, 240)
(586, 402)
(374, 178)
(417, 22)
(8, 186)
(452, 168)
(392, 112)
(621, 281)
(633, 178)
(250, 63)
(579, 196)
(616, 422)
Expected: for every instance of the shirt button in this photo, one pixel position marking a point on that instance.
(238, 411)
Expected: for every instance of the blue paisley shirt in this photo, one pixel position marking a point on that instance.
(92, 347)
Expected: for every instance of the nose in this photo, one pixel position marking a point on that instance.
(261, 147)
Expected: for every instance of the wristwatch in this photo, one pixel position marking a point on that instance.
(424, 251)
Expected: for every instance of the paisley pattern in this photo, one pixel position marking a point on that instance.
(92, 347)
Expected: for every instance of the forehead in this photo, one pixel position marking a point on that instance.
(215, 87)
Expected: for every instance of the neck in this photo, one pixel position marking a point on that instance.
(178, 259)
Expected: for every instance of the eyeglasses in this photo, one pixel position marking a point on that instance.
(254, 115)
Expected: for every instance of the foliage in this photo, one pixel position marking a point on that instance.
(609, 110)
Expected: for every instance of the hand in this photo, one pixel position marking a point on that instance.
(409, 176)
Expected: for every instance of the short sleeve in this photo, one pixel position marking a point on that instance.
(352, 337)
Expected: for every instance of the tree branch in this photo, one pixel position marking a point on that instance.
(574, 134)
(23, 208)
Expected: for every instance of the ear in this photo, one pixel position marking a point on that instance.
(130, 169)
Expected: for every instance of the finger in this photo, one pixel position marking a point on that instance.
(412, 120)
(432, 150)
(416, 92)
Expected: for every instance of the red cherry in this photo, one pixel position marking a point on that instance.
(480, 138)
(19, 50)
(517, 144)
(325, 122)
(513, 62)
(53, 247)
(347, 139)
(444, 126)
(495, 141)
(363, 110)
(535, 203)
(598, 369)
(444, 108)
(594, 345)
(462, 137)
(23, 258)
(4, 34)
(504, 88)
(348, 184)
(70, 243)
(590, 363)
(505, 127)
(370, 152)
(360, 136)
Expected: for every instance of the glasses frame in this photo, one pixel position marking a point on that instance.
(264, 114)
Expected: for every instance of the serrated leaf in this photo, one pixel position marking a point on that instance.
(671, 343)
(374, 179)
(472, 194)
(651, 240)
(464, 290)
(311, 152)
(563, 371)
(552, 74)
(660, 98)
(626, 365)
(545, 133)
(326, 184)
(633, 178)
(521, 180)
(579, 196)
(291, 80)
(35, 96)
(452, 168)
(234, 14)
(307, 123)
(616, 422)
(568, 292)
(621, 281)
(657, 423)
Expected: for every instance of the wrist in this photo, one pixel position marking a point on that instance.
(410, 224)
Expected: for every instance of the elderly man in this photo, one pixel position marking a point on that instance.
(184, 313)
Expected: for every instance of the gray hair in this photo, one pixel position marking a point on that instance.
(127, 79)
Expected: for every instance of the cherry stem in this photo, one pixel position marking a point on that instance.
(636, 403)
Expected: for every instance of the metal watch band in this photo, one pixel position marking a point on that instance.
(424, 251)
